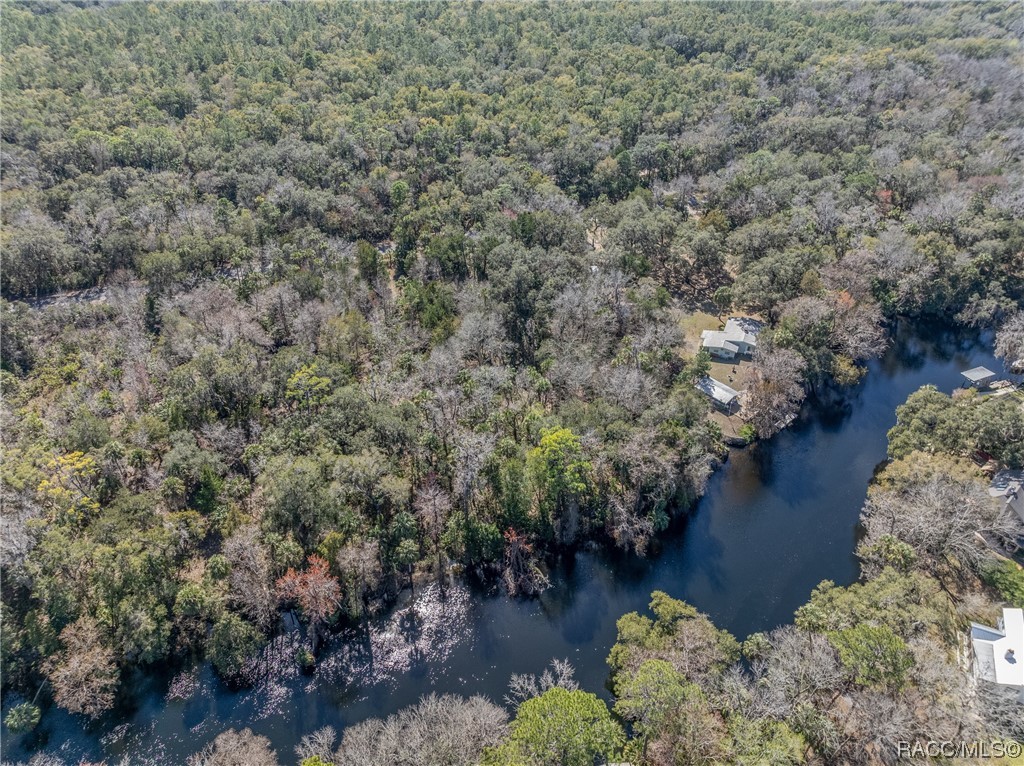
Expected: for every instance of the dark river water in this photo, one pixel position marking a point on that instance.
(777, 519)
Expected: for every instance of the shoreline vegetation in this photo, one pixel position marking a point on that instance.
(373, 290)
(862, 671)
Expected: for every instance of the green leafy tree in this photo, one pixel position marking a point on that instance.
(232, 642)
(650, 698)
(560, 728)
(297, 496)
(399, 193)
(698, 367)
(723, 299)
(764, 743)
(307, 389)
(902, 602)
(1008, 580)
(406, 554)
(873, 655)
(368, 261)
(931, 421)
(680, 635)
(561, 477)
(314, 760)
(23, 718)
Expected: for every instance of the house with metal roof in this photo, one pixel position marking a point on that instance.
(1009, 485)
(734, 340)
(978, 377)
(724, 398)
(999, 651)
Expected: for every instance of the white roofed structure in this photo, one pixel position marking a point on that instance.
(979, 377)
(999, 651)
(736, 338)
(723, 396)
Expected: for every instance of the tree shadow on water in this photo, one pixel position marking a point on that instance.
(410, 626)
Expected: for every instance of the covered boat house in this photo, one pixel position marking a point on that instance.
(978, 377)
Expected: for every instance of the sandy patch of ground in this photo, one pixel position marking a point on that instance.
(693, 325)
(730, 424)
(734, 374)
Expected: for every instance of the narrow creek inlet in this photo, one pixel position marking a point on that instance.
(776, 520)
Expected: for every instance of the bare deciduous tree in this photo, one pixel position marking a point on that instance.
(940, 519)
(438, 731)
(629, 530)
(236, 748)
(360, 567)
(16, 539)
(249, 583)
(318, 744)
(799, 668)
(943, 695)
(521, 573)
(776, 390)
(83, 675)
(471, 453)
(480, 336)
(1010, 341)
(581, 318)
(873, 727)
(524, 686)
(640, 480)
(432, 505)
(857, 330)
(1001, 709)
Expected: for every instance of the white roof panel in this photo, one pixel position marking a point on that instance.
(978, 374)
(717, 340)
(1000, 653)
(717, 390)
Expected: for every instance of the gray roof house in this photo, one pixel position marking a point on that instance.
(724, 397)
(736, 338)
(1009, 485)
(999, 651)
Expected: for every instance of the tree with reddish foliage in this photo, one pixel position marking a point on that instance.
(316, 591)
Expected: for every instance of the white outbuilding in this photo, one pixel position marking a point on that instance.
(725, 398)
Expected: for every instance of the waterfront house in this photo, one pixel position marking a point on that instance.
(736, 339)
(999, 651)
(1009, 485)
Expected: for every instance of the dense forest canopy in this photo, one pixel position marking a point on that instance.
(303, 301)
(281, 129)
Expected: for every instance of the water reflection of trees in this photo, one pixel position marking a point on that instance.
(834, 406)
(916, 344)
